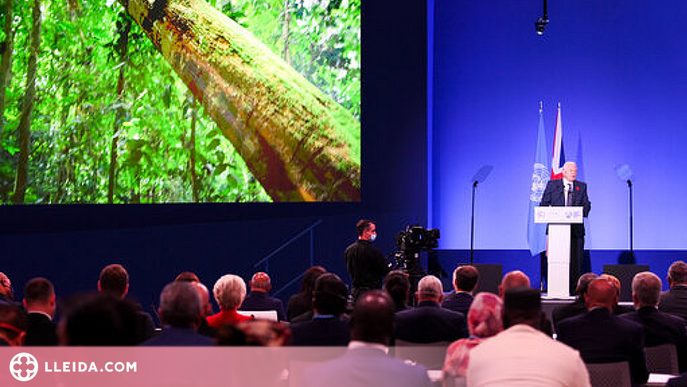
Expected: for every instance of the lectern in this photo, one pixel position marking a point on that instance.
(559, 220)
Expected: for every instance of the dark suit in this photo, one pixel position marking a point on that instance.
(299, 304)
(322, 331)
(674, 301)
(428, 323)
(178, 337)
(554, 195)
(602, 337)
(365, 367)
(680, 381)
(662, 328)
(563, 312)
(40, 331)
(259, 301)
(458, 302)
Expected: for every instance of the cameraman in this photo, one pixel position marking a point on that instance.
(365, 263)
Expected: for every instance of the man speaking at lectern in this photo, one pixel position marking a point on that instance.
(570, 193)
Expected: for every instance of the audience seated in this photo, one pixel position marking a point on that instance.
(114, 280)
(229, 291)
(99, 320)
(187, 276)
(259, 332)
(674, 300)
(429, 322)
(465, 279)
(302, 302)
(39, 301)
(578, 306)
(522, 355)
(366, 362)
(659, 328)
(397, 285)
(485, 319)
(13, 324)
(205, 310)
(258, 299)
(517, 279)
(617, 308)
(601, 336)
(180, 311)
(6, 293)
(328, 326)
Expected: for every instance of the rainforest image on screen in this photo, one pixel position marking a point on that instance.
(179, 101)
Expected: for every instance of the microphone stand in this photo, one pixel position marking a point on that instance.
(632, 253)
(472, 223)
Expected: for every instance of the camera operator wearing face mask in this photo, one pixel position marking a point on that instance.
(365, 263)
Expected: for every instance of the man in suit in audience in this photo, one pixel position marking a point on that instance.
(578, 306)
(366, 362)
(12, 324)
(601, 336)
(258, 299)
(429, 322)
(517, 279)
(180, 312)
(39, 302)
(465, 279)
(6, 294)
(328, 326)
(114, 281)
(617, 308)
(522, 354)
(659, 328)
(674, 300)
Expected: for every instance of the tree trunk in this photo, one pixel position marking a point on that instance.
(192, 147)
(298, 142)
(286, 31)
(122, 48)
(6, 64)
(24, 128)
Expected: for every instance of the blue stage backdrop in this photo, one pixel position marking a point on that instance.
(619, 70)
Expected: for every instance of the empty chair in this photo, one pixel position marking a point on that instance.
(662, 359)
(609, 374)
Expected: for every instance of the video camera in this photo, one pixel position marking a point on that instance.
(416, 238)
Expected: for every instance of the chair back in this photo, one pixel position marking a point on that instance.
(270, 315)
(431, 355)
(662, 359)
(609, 374)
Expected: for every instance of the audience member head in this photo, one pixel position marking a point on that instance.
(98, 320)
(114, 280)
(583, 283)
(522, 305)
(513, 279)
(6, 287)
(13, 323)
(646, 289)
(430, 289)
(485, 316)
(465, 278)
(616, 283)
(308, 283)
(180, 305)
(229, 292)
(330, 295)
(677, 273)
(373, 318)
(260, 283)
(397, 285)
(601, 293)
(187, 276)
(204, 293)
(366, 229)
(39, 296)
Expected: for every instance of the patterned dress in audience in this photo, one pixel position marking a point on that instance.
(484, 320)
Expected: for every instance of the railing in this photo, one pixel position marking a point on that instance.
(266, 261)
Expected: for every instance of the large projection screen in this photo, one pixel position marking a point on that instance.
(180, 101)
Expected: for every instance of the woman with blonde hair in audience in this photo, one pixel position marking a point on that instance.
(485, 319)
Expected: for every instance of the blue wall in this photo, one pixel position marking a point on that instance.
(619, 69)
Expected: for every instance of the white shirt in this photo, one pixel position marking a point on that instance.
(524, 356)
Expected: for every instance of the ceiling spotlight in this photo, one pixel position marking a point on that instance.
(540, 25)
